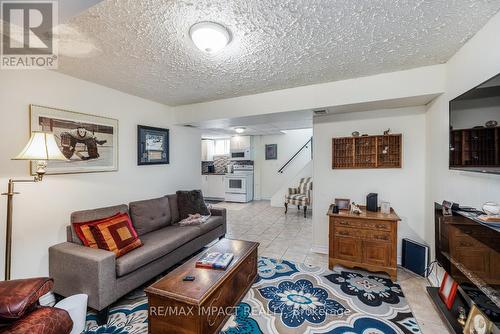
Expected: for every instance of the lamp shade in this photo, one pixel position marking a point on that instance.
(41, 146)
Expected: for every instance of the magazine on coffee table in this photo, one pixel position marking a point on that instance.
(215, 260)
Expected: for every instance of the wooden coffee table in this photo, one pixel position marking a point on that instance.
(204, 305)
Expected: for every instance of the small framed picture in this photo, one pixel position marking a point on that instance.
(477, 322)
(446, 207)
(448, 290)
(385, 208)
(152, 146)
(343, 203)
(272, 152)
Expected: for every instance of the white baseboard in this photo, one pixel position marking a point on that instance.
(319, 249)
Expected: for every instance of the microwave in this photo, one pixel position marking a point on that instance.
(243, 154)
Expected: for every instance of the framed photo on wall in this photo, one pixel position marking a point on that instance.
(448, 290)
(152, 146)
(271, 151)
(89, 142)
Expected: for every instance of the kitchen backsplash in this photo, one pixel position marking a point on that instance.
(220, 164)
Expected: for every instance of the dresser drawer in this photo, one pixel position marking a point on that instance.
(363, 224)
(349, 232)
(378, 236)
(341, 222)
(378, 225)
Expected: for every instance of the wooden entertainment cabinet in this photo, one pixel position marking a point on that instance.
(469, 250)
(367, 240)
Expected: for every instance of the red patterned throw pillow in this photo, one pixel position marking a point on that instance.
(116, 235)
(83, 232)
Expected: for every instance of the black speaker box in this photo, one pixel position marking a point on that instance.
(372, 202)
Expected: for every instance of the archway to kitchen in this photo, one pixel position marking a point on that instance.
(248, 165)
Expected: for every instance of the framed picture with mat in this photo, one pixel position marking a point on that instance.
(448, 290)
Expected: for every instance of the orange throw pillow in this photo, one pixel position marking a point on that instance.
(116, 235)
(83, 232)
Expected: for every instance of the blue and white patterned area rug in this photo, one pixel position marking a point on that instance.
(290, 298)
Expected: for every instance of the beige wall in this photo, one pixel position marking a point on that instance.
(267, 179)
(42, 210)
(403, 187)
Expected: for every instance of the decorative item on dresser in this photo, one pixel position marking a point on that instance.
(41, 147)
(367, 152)
(367, 240)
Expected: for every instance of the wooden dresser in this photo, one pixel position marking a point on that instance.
(367, 240)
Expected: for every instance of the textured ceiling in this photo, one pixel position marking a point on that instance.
(142, 46)
(266, 124)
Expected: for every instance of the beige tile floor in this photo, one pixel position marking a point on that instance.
(290, 237)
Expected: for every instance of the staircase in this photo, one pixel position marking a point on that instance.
(278, 198)
(306, 146)
(292, 180)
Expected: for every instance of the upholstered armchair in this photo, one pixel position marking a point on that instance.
(300, 195)
(20, 312)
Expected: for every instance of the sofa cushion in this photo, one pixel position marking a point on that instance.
(92, 215)
(116, 235)
(211, 224)
(174, 210)
(191, 202)
(85, 234)
(150, 215)
(155, 245)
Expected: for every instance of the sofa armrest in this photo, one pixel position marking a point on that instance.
(220, 212)
(18, 296)
(215, 211)
(79, 269)
(46, 320)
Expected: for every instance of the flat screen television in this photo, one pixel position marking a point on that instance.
(475, 130)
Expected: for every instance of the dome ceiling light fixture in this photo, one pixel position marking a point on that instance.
(239, 130)
(209, 37)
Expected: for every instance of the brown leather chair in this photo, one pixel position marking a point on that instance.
(20, 312)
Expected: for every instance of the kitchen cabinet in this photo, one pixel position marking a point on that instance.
(204, 185)
(240, 143)
(207, 150)
(212, 186)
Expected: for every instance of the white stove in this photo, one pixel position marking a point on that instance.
(239, 184)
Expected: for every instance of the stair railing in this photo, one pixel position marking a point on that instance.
(309, 142)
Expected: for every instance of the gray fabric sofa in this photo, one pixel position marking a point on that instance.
(105, 278)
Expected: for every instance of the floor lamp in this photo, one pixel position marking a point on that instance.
(41, 147)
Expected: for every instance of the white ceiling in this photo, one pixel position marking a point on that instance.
(142, 46)
(267, 124)
(276, 123)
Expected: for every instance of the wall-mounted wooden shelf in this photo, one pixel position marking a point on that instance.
(367, 152)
